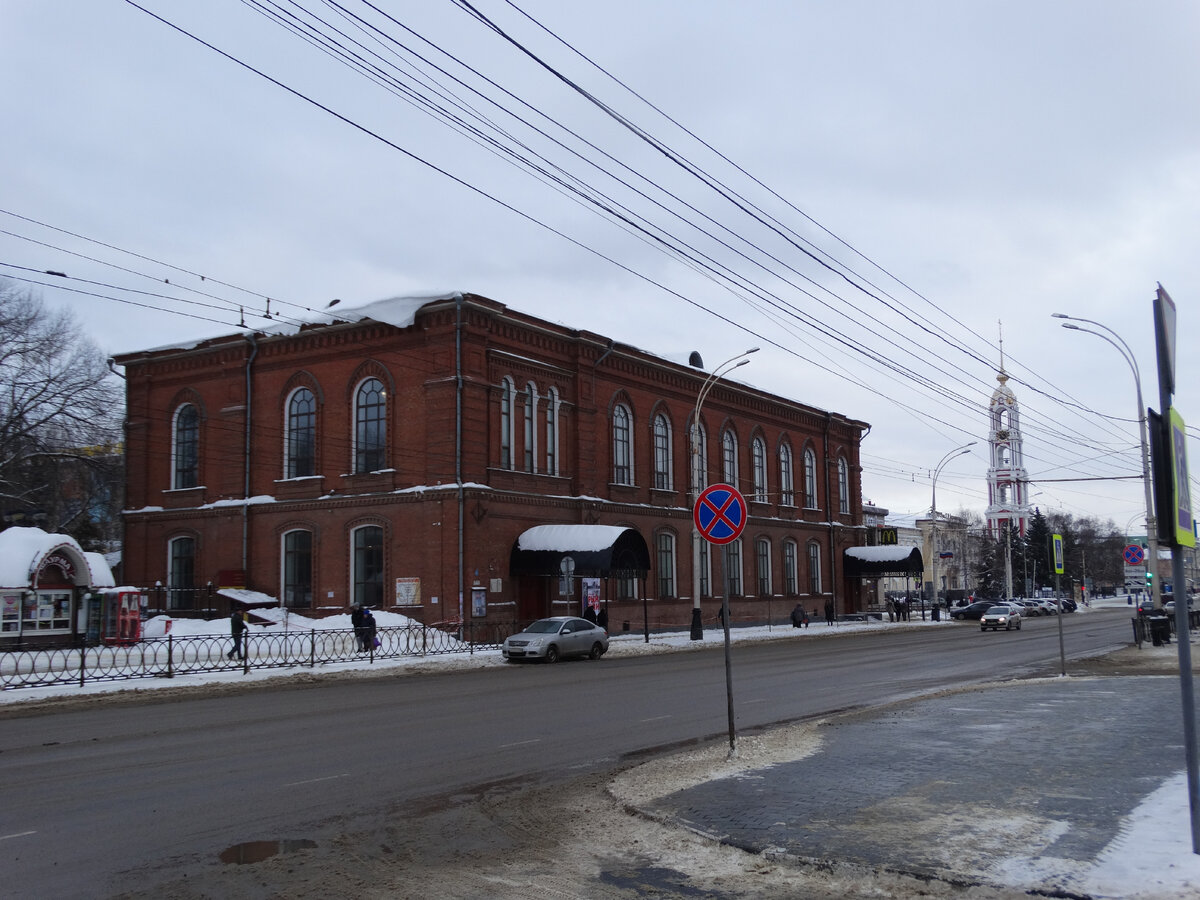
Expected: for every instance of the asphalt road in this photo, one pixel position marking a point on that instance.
(91, 794)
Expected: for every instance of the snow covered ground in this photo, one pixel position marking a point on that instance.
(1152, 858)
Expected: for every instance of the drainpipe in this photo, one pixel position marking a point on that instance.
(829, 517)
(458, 393)
(246, 491)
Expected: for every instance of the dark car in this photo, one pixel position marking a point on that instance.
(975, 610)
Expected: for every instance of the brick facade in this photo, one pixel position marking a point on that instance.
(240, 387)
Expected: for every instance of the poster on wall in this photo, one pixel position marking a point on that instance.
(478, 602)
(408, 591)
(591, 594)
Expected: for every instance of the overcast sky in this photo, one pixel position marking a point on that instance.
(863, 189)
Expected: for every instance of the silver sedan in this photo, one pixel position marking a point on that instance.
(554, 638)
(1002, 616)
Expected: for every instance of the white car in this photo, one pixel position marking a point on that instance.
(1006, 616)
(557, 637)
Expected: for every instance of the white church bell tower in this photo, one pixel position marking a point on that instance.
(1008, 483)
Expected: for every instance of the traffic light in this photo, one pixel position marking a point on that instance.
(1149, 578)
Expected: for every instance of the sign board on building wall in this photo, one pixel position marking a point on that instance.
(478, 602)
(408, 591)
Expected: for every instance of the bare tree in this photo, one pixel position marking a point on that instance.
(60, 414)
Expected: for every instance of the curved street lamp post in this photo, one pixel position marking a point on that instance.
(696, 477)
(933, 551)
(1151, 522)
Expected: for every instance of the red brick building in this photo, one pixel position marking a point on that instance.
(397, 454)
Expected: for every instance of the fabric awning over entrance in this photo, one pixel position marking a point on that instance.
(879, 562)
(598, 551)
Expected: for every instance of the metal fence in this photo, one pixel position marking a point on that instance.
(174, 655)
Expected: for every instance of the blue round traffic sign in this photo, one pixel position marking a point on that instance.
(720, 514)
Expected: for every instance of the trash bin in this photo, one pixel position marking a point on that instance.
(937, 614)
(1160, 630)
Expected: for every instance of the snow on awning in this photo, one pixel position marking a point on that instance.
(877, 562)
(26, 553)
(597, 551)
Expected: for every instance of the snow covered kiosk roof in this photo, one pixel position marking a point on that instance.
(874, 562)
(596, 550)
(26, 552)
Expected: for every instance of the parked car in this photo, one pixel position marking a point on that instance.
(1005, 615)
(1030, 608)
(1146, 607)
(1069, 605)
(974, 611)
(1049, 606)
(557, 637)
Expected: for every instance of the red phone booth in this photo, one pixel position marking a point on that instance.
(123, 617)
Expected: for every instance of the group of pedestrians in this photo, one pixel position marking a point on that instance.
(364, 628)
(898, 610)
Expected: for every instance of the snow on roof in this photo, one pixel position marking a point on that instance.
(562, 538)
(880, 554)
(249, 598)
(23, 549)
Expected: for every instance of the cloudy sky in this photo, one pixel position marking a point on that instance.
(864, 189)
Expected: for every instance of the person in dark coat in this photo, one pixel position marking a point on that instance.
(368, 630)
(829, 616)
(602, 618)
(589, 613)
(237, 628)
(799, 616)
(356, 622)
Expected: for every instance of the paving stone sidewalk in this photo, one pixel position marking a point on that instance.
(958, 787)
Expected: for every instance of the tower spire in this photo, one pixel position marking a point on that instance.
(1000, 326)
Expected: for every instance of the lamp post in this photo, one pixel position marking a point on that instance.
(695, 476)
(933, 551)
(1151, 522)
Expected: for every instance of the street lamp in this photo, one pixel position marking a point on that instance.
(696, 476)
(933, 551)
(1151, 523)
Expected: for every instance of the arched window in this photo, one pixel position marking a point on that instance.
(787, 494)
(699, 457)
(729, 458)
(666, 565)
(530, 398)
(843, 485)
(181, 573)
(758, 462)
(370, 426)
(301, 432)
(810, 479)
(762, 565)
(733, 567)
(507, 395)
(552, 432)
(791, 574)
(622, 432)
(185, 447)
(297, 569)
(367, 574)
(814, 567)
(662, 453)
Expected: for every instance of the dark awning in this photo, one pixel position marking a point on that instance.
(598, 551)
(879, 562)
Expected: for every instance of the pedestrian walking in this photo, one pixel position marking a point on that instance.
(602, 618)
(369, 642)
(891, 609)
(799, 616)
(237, 628)
(358, 623)
(829, 612)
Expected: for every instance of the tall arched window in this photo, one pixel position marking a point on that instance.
(729, 458)
(507, 395)
(530, 398)
(301, 431)
(787, 493)
(181, 574)
(698, 440)
(185, 447)
(666, 565)
(814, 567)
(367, 574)
(791, 569)
(552, 432)
(733, 567)
(622, 432)
(662, 453)
(810, 479)
(370, 426)
(762, 566)
(843, 486)
(297, 569)
(758, 461)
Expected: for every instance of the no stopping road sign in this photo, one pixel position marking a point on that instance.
(720, 514)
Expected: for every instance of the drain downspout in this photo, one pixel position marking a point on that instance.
(458, 393)
(829, 517)
(246, 489)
